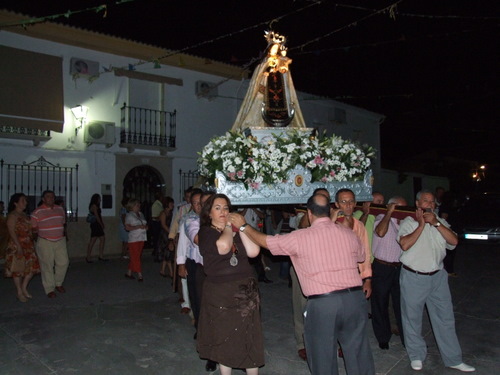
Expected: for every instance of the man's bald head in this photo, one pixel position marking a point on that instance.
(319, 205)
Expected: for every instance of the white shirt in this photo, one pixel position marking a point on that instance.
(134, 219)
(428, 252)
(186, 248)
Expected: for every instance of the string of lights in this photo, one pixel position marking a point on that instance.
(269, 23)
(390, 9)
(67, 14)
(402, 39)
(429, 16)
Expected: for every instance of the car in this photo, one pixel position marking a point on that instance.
(479, 218)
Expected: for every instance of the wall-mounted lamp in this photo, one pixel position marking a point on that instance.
(80, 112)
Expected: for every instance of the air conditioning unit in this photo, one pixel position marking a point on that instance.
(206, 89)
(99, 132)
(82, 67)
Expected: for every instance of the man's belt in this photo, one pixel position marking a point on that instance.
(392, 264)
(348, 290)
(52, 240)
(420, 273)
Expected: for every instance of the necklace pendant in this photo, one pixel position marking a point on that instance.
(233, 261)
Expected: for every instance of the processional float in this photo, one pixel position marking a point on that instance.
(270, 156)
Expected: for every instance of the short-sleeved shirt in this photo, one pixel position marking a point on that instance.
(49, 221)
(133, 219)
(217, 266)
(428, 252)
(369, 225)
(325, 256)
(156, 209)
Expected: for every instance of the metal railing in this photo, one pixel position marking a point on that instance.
(24, 131)
(33, 178)
(187, 179)
(148, 127)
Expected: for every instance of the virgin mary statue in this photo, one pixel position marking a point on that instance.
(271, 100)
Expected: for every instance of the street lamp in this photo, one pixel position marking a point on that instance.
(80, 113)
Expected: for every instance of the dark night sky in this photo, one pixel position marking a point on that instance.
(432, 70)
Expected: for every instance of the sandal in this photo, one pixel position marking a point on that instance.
(27, 295)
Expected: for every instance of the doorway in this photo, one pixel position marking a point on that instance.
(142, 183)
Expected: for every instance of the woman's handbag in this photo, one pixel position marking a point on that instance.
(17, 264)
(91, 218)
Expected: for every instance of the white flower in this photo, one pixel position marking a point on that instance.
(329, 159)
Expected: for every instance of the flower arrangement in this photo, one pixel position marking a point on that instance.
(243, 159)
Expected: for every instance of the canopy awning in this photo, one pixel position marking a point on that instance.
(31, 90)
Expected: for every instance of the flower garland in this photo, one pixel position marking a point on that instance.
(243, 159)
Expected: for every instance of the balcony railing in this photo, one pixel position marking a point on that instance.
(32, 178)
(35, 135)
(147, 129)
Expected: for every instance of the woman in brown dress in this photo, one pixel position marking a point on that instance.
(229, 330)
(21, 246)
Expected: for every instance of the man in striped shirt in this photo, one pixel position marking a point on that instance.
(49, 222)
(326, 257)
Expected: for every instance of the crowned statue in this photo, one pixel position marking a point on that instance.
(271, 100)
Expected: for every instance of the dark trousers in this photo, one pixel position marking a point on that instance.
(342, 317)
(385, 284)
(195, 279)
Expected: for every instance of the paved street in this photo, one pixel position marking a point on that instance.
(106, 324)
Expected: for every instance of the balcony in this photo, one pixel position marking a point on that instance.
(34, 135)
(147, 129)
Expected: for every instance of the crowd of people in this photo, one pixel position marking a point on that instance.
(344, 264)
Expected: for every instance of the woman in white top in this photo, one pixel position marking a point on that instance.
(136, 225)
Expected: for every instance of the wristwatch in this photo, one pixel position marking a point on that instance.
(242, 228)
(437, 225)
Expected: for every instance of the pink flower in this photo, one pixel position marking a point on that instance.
(318, 160)
(254, 185)
(239, 174)
(332, 173)
(231, 175)
(324, 179)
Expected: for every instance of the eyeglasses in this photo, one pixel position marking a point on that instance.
(350, 202)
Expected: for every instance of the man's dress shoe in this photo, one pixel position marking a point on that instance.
(383, 345)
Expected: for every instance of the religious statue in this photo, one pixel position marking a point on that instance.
(271, 100)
